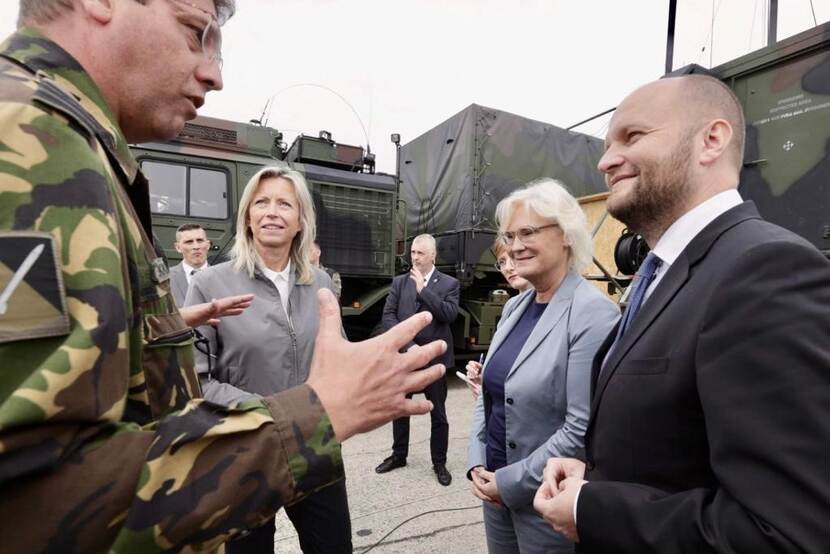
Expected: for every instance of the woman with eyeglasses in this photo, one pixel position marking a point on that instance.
(505, 265)
(534, 402)
(269, 347)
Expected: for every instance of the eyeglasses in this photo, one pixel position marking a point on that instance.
(527, 234)
(210, 36)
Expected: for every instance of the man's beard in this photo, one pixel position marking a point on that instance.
(660, 190)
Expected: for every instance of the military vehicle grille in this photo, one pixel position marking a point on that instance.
(354, 229)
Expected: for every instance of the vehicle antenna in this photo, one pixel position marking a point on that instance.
(324, 87)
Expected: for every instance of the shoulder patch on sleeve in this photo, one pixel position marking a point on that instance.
(32, 294)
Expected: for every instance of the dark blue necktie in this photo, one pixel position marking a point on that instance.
(643, 278)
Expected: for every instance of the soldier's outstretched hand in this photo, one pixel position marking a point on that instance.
(363, 385)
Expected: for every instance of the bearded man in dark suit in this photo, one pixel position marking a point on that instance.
(710, 418)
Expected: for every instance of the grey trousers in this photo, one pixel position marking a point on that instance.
(521, 531)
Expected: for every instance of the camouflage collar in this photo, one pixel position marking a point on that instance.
(40, 55)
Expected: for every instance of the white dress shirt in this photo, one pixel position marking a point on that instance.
(188, 270)
(281, 280)
(428, 276)
(678, 236)
(686, 228)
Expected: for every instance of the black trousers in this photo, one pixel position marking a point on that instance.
(322, 522)
(440, 431)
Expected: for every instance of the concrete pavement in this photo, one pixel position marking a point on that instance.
(378, 503)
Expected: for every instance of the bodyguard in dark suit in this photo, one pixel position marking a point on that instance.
(424, 288)
(710, 423)
(192, 243)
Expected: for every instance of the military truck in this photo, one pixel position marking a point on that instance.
(784, 89)
(785, 92)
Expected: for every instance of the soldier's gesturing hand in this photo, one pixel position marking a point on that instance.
(363, 385)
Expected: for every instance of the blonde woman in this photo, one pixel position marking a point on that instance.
(269, 347)
(534, 399)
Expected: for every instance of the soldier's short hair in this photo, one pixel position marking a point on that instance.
(551, 200)
(711, 98)
(427, 238)
(43, 11)
(244, 254)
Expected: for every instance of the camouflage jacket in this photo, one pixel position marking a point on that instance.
(104, 444)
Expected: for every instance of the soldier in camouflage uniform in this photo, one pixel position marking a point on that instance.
(104, 444)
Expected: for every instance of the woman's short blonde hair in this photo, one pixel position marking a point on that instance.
(244, 255)
(551, 200)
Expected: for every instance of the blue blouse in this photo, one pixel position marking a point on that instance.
(497, 368)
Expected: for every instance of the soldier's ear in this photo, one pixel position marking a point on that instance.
(99, 10)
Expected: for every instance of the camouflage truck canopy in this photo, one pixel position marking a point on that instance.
(785, 93)
(454, 175)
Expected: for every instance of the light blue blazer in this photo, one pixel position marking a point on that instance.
(549, 386)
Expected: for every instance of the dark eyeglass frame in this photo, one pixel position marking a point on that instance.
(526, 234)
(213, 55)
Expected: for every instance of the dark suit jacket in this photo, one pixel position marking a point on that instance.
(710, 425)
(178, 284)
(439, 297)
